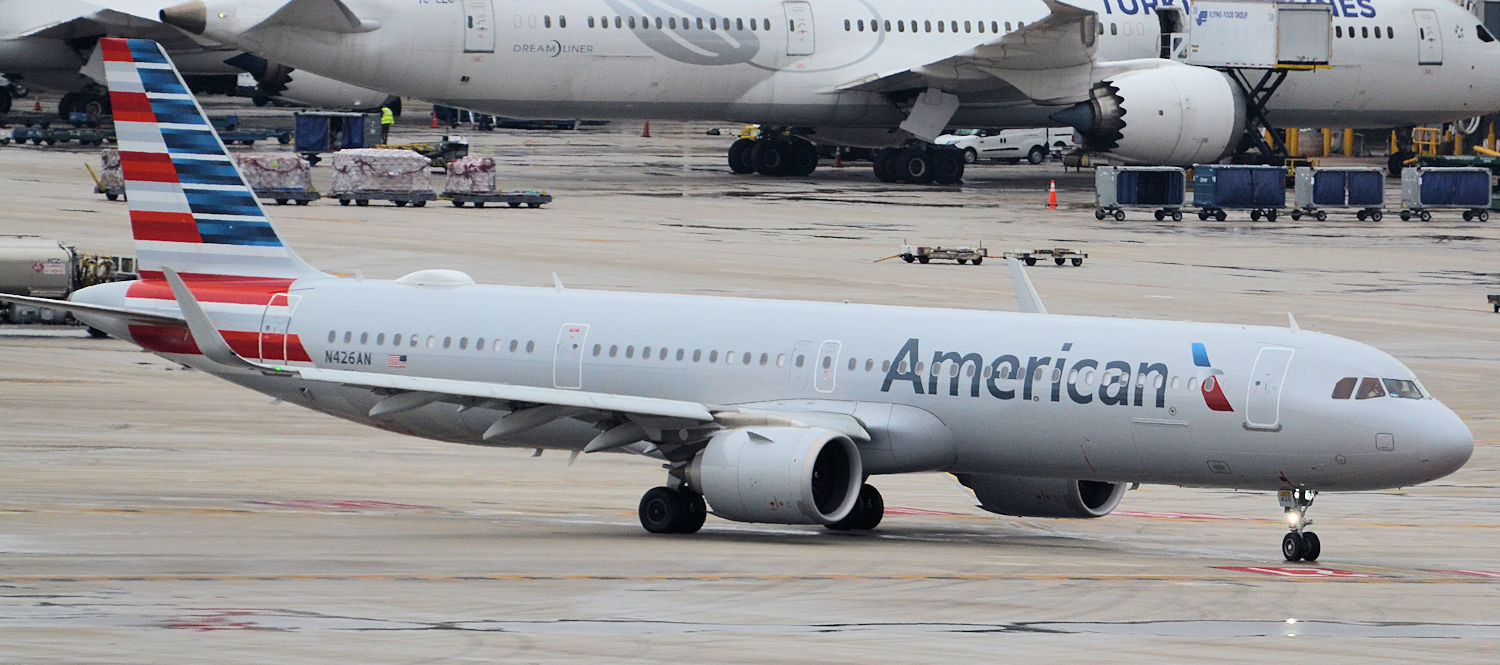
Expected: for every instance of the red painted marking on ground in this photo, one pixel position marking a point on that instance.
(898, 510)
(343, 505)
(1178, 516)
(1300, 571)
(1468, 571)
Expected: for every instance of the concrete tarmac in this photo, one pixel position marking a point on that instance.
(153, 514)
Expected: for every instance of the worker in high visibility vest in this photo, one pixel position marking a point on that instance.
(387, 118)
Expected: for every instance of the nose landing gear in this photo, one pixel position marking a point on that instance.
(1298, 544)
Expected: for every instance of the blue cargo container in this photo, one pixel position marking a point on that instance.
(1317, 189)
(1426, 189)
(319, 131)
(1160, 187)
(1220, 187)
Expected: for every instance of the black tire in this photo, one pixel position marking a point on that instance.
(343, 202)
(1030, 260)
(1202, 216)
(908, 258)
(885, 165)
(739, 156)
(970, 156)
(111, 196)
(914, 165)
(1484, 216)
(1255, 215)
(1292, 546)
(771, 158)
(94, 106)
(284, 139)
(1376, 216)
(1405, 216)
(513, 204)
(1312, 547)
(303, 202)
(1397, 162)
(923, 259)
(4, 101)
(1468, 216)
(978, 260)
(457, 203)
(1271, 215)
(1358, 215)
(1037, 155)
(947, 166)
(281, 202)
(1221, 215)
(804, 158)
(1176, 215)
(963, 262)
(362, 202)
(399, 203)
(66, 104)
(1425, 216)
(1119, 215)
(1296, 215)
(868, 510)
(533, 205)
(1159, 215)
(1059, 261)
(420, 203)
(696, 513)
(1098, 213)
(661, 510)
(1322, 216)
(1077, 262)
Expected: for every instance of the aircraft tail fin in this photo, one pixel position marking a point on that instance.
(189, 206)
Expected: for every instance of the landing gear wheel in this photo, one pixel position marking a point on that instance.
(914, 165)
(869, 508)
(739, 156)
(662, 510)
(66, 104)
(1292, 546)
(885, 165)
(1037, 154)
(804, 159)
(696, 513)
(1119, 215)
(770, 158)
(1311, 546)
(947, 166)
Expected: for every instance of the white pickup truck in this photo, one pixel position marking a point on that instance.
(1012, 145)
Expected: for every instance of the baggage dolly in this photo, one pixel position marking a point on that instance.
(530, 198)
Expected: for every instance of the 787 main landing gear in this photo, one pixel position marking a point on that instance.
(939, 164)
(1299, 544)
(773, 155)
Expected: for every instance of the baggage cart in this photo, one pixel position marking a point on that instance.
(285, 195)
(230, 132)
(417, 198)
(1218, 188)
(1320, 189)
(1161, 189)
(1059, 255)
(327, 131)
(962, 255)
(1426, 189)
(530, 198)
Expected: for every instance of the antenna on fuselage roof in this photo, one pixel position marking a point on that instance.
(1026, 294)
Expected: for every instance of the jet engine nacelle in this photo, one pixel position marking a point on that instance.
(1168, 114)
(275, 81)
(1043, 497)
(779, 475)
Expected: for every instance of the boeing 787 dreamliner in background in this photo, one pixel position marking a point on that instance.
(772, 411)
(888, 74)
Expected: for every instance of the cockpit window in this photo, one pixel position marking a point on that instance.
(1369, 388)
(1344, 389)
(1403, 389)
(1484, 33)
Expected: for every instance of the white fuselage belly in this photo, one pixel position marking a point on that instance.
(579, 71)
(1065, 430)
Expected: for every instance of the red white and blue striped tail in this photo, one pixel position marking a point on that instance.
(190, 209)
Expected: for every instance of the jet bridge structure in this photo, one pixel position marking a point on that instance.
(1257, 44)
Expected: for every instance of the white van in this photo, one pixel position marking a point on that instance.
(1012, 145)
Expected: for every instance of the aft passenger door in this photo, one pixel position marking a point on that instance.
(274, 322)
(1429, 37)
(567, 362)
(799, 36)
(1263, 401)
(479, 26)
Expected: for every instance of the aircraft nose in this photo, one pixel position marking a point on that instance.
(1449, 443)
(191, 16)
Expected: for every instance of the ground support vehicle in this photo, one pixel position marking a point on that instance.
(230, 132)
(1161, 189)
(363, 197)
(1218, 188)
(530, 198)
(328, 131)
(1318, 190)
(44, 268)
(440, 152)
(1059, 255)
(1424, 189)
(962, 255)
(285, 195)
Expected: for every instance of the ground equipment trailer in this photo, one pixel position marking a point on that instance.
(1059, 255)
(530, 198)
(962, 255)
(1221, 187)
(1319, 189)
(1157, 188)
(1426, 189)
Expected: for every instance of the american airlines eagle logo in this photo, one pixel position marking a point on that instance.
(1213, 386)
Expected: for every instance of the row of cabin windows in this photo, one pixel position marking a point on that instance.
(1364, 32)
(667, 23)
(414, 340)
(858, 25)
(1370, 387)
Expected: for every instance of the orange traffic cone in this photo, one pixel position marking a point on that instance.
(434, 120)
(838, 158)
(37, 106)
(646, 130)
(1052, 195)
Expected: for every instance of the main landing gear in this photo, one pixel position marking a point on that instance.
(1299, 544)
(940, 164)
(773, 156)
(668, 510)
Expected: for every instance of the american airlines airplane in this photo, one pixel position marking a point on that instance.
(886, 74)
(772, 411)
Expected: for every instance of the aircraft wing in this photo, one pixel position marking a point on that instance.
(1050, 61)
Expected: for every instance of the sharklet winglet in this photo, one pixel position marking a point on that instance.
(1026, 294)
